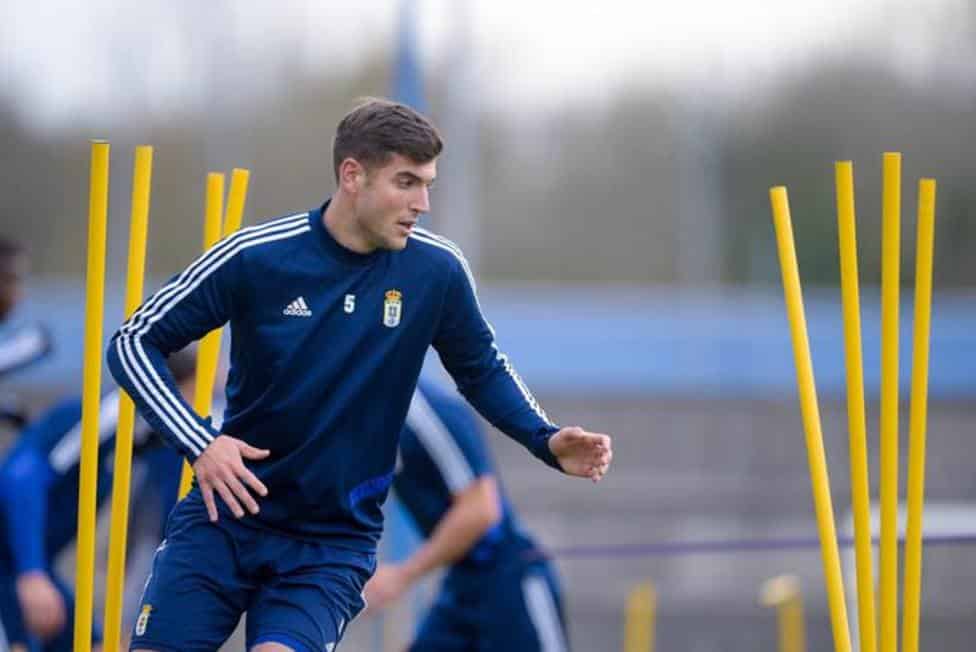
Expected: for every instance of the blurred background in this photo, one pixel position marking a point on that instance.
(606, 172)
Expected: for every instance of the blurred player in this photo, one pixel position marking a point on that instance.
(499, 592)
(332, 312)
(39, 505)
(19, 347)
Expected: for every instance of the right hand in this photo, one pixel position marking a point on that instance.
(221, 468)
(388, 583)
(42, 604)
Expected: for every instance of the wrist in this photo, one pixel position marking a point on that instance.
(410, 572)
(31, 573)
(542, 448)
(208, 447)
(27, 580)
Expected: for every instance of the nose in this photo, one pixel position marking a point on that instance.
(421, 200)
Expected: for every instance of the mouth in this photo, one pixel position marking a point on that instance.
(407, 225)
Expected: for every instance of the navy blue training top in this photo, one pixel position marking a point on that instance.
(326, 348)
(441, 453)
(39, 480)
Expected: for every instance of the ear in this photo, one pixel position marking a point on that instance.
(352, 175)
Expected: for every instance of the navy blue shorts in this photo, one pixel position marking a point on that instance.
(513, 607)
(299, 593)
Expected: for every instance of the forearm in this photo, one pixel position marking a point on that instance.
(24, 497)
(503, 399)
(484, 374)
(27, 537)
(471, 515)
(191, 305)
(454, 536)
(139, 367)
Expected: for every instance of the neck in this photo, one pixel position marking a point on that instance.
(343, 225)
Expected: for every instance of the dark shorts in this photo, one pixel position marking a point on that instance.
(205, 575)
(12, 618)
(517, 607)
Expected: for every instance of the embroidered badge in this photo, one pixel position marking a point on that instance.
(143, 619)
(392, 308)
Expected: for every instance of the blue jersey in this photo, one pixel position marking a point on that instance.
(39, 480)
(326, 348)
(441, 453)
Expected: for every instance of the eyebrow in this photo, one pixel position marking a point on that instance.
(413, 177)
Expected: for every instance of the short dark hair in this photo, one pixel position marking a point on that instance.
(377, 128)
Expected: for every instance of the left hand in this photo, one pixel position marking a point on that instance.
(386, 586)
(581, 453)
(41, 603)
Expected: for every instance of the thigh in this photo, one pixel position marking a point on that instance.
(523, 611)
(306, 606)
(195, 593)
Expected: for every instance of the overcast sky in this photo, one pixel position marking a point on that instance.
(62, 59)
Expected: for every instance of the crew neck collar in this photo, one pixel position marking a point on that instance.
(332, 246)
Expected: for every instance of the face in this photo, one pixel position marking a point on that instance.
(389, 200)
(12, 273)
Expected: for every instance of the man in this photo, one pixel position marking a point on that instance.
(499, 592)
(19, 347)
(39, 507)
(331, 314)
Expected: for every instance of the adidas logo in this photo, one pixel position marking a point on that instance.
(297, 308)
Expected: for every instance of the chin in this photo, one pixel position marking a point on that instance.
(397, 244)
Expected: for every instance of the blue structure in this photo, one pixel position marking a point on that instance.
(638, 341)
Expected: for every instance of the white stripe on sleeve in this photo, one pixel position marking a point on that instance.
(143, 375)
(445, 244)
(439, 444)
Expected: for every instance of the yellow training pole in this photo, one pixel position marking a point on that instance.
(91, 393)
(783, 593)
(857, 422)
(917, 416)
(235, 202)
(139, 226)
(816, 457)
(890, 252)
(639, 619)
(207, 350)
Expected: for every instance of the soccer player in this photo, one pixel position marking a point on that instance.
(20, 347)
(499, 592)
(39, 507)
(331, 312)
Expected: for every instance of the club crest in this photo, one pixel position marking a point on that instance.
(143, 619)
(392, 308)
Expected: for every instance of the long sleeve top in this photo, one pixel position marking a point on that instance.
(326, 348)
